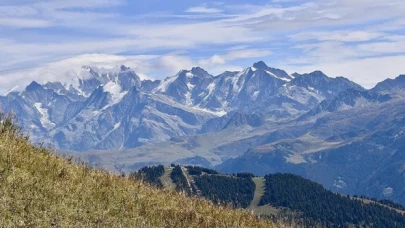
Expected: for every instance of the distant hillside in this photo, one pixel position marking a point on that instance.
(278, 196)
(39, 189)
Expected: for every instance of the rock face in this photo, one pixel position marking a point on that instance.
(102, 109)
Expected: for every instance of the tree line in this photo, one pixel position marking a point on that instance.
(237, 191)
(180, 180)
(197, 170)
(150, 174)
(323, 206)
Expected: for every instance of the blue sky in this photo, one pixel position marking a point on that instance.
(363, 40)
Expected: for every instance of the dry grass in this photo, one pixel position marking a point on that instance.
(259, 192)
(167, 181)
(40, 189)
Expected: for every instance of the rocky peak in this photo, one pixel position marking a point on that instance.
(391, 85)
(296, 74)
(199, 71)
(260, 65)
(34, 86)
(124, 68)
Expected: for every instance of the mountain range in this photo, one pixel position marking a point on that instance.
(259, 120)
(114, 109)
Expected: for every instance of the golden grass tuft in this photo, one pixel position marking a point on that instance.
(40, 189)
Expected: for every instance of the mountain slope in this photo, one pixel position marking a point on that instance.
(396, 85)
(39, 189)
(353, 151)
(281, 195)
(348, 99)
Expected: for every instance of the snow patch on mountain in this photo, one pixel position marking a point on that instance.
(165, 84)
(236, 81)
(190, 86)
(45, 121)
(219, 113)
(300, 94)
(255, 94)
(115, 92)
(189, 75)
(295, 159)
(116, 126)
(11, 90)
(189, 101)
(211, 88)
(284, 79)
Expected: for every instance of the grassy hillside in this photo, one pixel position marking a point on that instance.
(39, 189)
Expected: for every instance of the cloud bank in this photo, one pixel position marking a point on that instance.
(362, 40)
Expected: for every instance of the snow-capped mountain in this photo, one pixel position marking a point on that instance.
(106, 106)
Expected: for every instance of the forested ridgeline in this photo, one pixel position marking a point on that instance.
(197, 170)
(236, 191)
(150, 174)
(386, 202)
(180, 180)
(323, 206)
(295, 200)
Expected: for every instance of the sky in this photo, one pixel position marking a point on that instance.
(363, 40)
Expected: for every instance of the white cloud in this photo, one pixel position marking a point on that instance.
(13, 53)
(313, 14)
(196, 33)
(306, 34)
(366, 72)
(213, 60)
(57, 13)
(203, 9)
(65, 70)
(383, 47)
(232, 55)
(172, 63)
(24, 22)
(323, 52)
(33, 8)
(334, 51)
(219, 69)
(247, 53)
(343, 36)
(147, 66)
